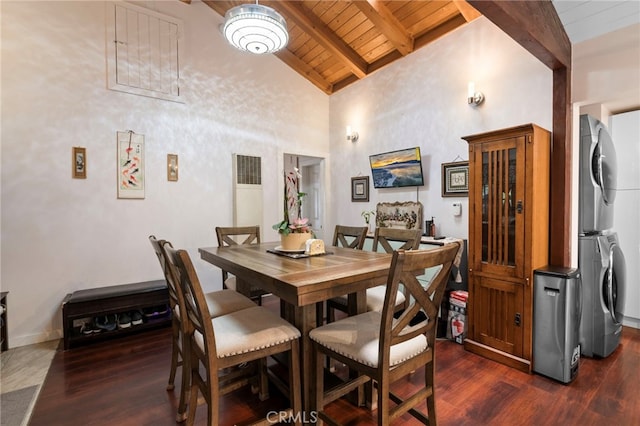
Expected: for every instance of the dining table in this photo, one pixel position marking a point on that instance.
(302, 281)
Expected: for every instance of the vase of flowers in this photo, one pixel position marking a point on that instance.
(294, 230)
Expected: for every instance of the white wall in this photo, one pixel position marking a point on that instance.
(421, 101)
(625, 133)
(61, 234)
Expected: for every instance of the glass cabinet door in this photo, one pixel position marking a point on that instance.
(500, 235)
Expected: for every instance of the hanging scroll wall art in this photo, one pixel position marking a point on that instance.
(130, 165)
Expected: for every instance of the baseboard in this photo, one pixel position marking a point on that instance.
(631, 322)
(498, 356)
(31, 339)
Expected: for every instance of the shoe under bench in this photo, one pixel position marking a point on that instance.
(96, 302)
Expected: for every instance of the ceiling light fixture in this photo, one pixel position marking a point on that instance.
(255, 28)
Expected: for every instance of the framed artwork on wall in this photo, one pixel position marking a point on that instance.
(455, 179)
(79, 162)
(131, 160)
(360, 188)
(172, 167)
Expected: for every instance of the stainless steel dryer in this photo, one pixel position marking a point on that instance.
(598, 176)
(603, 268)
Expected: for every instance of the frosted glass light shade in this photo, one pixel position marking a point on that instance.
(255, 28)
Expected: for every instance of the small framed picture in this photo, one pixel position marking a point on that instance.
(455, 179)
(360, 188)
(79, 162)
(172, 167)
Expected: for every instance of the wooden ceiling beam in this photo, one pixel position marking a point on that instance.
(220, 7)
(387, 24)
(305, 70)
(535, 25)
(469, 12)
(316, 29)
(440, 31)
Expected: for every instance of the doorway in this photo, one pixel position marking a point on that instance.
(312, 170)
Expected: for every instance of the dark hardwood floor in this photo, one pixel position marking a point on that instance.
(122, 382)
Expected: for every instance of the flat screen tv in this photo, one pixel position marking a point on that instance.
(397, 168)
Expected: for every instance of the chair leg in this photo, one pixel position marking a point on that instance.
(294, 382)
(317, 381)
(193, 403)
(429, 378)
(331, 317)
(181, 416)
(383, 402)
(263, 395)
(175, 331)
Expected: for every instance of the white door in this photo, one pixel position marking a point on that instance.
(312, 170)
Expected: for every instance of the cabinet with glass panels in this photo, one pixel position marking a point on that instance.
(508, 239)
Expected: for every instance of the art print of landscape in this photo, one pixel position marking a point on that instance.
(397, 168)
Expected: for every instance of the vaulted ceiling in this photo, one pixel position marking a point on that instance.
(336, 43)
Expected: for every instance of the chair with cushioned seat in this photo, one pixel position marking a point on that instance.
(214, 346)
(350, 236)
(385, 239)
(219, 303)
(384, 349)
(234, 235)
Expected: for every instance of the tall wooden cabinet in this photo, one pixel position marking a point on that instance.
(508, 239)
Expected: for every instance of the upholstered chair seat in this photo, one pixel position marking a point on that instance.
(358, 338)
(248, 330)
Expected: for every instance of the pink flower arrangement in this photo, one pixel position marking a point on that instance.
(300, 225)
(292, 201)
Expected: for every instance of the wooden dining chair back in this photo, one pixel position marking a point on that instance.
(236, 235)
(219, 303)
(177, 353)
(216, 347)
(350, 236)
(383, 238)
(384, 348)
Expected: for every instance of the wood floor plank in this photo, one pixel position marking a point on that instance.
(122, 382)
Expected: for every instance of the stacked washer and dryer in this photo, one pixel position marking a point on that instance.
(600, 259)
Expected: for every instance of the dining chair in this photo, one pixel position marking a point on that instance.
(349, 236)
(383, 349)
(234, 235)
(219, 303)
(385, 239)
(215, 346)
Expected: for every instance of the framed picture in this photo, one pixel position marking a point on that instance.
(455, 179)
(131, 161)
(79, 162)
(172, 167)
(397, 168)
(360, 188)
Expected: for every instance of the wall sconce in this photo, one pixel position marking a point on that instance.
(474, 98)
(352, 135)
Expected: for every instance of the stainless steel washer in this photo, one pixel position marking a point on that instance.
(603, 269)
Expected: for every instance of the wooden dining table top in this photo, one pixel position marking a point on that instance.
(302, 281)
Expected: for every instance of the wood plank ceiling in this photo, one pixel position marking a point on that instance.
(336, 43)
